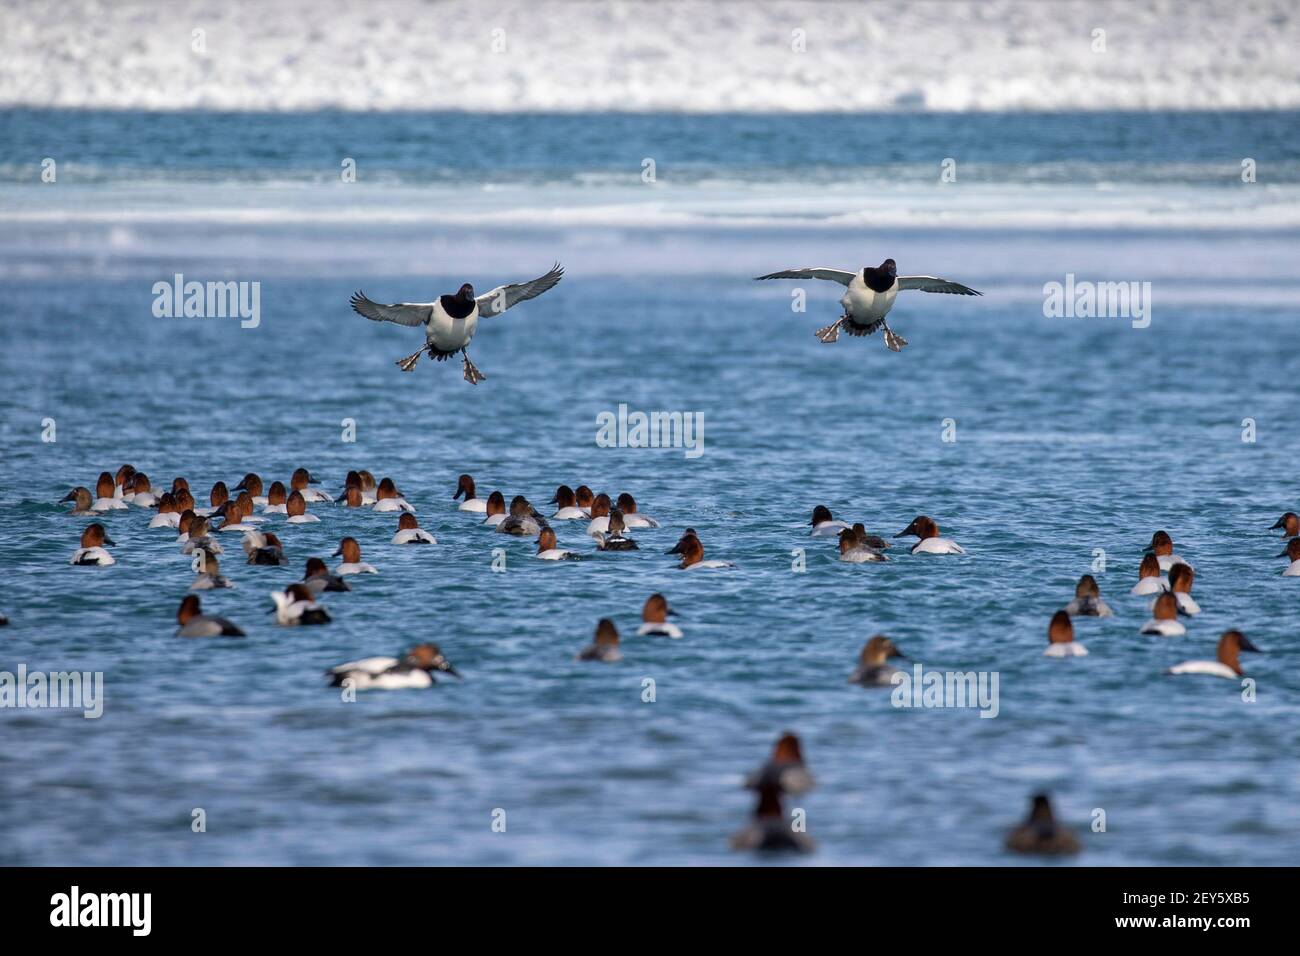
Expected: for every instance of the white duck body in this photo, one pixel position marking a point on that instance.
(1068, 649)
(1212, 668)
(863, 304)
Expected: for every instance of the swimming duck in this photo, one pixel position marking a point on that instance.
(297, 605)
(605, 645)
(209, 573)
(1292, 553)
(413, 670)
(81, 501)
(142, 495)
(388, 499)
(351, 493)
(692, 551)
(874, 669)
(524, 521)
(196, 535)
(870, 296)
(465, 486)
(122, 482)
(1150, 580)
(194, 623)
(547, 548)
(585, 497)
(599, 511)
(1040, 833)
(1087, 600)
(352, 563)
(924, 528)
(92, 553)
(451, 320)
(217, 497)
(277, 499)
(824, 525)
(237, 513)
(252, 483)
(410, 532)
(1162, 546)
(169, 515)
(615, 540)
(770, 829)
(1289, 523)
(301, 480)
(870, 540)
(264, 548)
(295, 507)
(496, 509)
(318, 578)
(1164, 620)
(1060, 638)
(1181, 577)
(854, 551)
(1226, 662)
(567, 503)
(654, 618)
(106, 497)
(631, 518)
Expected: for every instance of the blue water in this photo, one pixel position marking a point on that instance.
(1071, 436)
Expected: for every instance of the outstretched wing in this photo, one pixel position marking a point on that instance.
(504, 296)
(934, 284)
(403, 313)
(834, 275)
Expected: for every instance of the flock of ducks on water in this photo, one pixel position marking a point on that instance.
(1162, 574)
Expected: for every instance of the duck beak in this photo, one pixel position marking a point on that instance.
(241, 487)
(1247, 646)
(459, 492)
(675, 549)
(72, 496)
(1277, 524)
(109, 541)
(1285, 553)
(671, 612)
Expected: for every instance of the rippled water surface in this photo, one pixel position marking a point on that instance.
(1073, 437)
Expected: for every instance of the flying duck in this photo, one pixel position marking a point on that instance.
(450, 320)
(870, 297)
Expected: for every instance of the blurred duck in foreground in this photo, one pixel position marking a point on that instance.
(771, 829)
(1060, 638)
(1227, 663)
(874, 669)
(1040, 833)
(604, 647)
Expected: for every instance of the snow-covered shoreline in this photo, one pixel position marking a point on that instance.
(564, 55)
